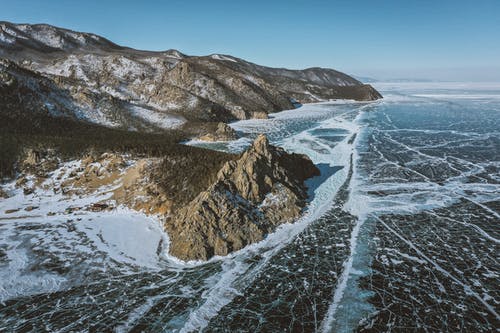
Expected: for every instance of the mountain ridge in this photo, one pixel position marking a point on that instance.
(134, 89)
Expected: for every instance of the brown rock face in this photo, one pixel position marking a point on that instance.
(38, 161)
(223, 132)
(249, 199)
(140, 192)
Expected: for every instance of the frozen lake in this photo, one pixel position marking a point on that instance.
(401, 233)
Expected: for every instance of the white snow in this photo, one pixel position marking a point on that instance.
(122, 67)
(253, 79)
(126, 236)
(121, 239)
(316, 98)
(5, 38)
(78, 37)
(11, 32)
(173, 54)
(72, 65)
(49, 38)
(222, 57)
(160, 119)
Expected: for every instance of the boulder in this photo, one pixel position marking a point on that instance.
(30, 208)
(99, 207)
(3, 194)
(28, 190)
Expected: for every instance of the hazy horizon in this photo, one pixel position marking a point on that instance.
(463, 74)
(449, 40)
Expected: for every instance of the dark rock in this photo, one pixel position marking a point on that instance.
(99, 207)
(28, 190)
(3, 194)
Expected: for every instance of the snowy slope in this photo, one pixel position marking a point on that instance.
(106, 82)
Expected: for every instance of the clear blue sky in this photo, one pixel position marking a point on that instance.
(445, 39)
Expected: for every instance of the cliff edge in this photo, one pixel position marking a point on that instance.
(250, 198)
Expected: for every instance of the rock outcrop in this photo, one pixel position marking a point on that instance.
(250, 198)
(38, 161)
(140, 192)
(223, 132)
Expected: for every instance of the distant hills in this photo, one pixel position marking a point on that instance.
(60, 72)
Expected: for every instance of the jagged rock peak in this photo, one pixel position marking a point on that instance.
(261, 145)
(250, 198)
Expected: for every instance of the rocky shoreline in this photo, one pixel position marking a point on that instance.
(118, 114)
(250, 196)
(222, 132)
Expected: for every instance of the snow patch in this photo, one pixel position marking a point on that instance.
(56, 234)
(5, 38)
(160, 119)
(222, 57)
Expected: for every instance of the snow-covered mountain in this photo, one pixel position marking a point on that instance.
(88, 77)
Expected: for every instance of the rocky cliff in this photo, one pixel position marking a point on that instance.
(250, 198)
(90, 78)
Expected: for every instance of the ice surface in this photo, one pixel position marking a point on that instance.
(403, 235)
(425, 186)
(51, 245)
